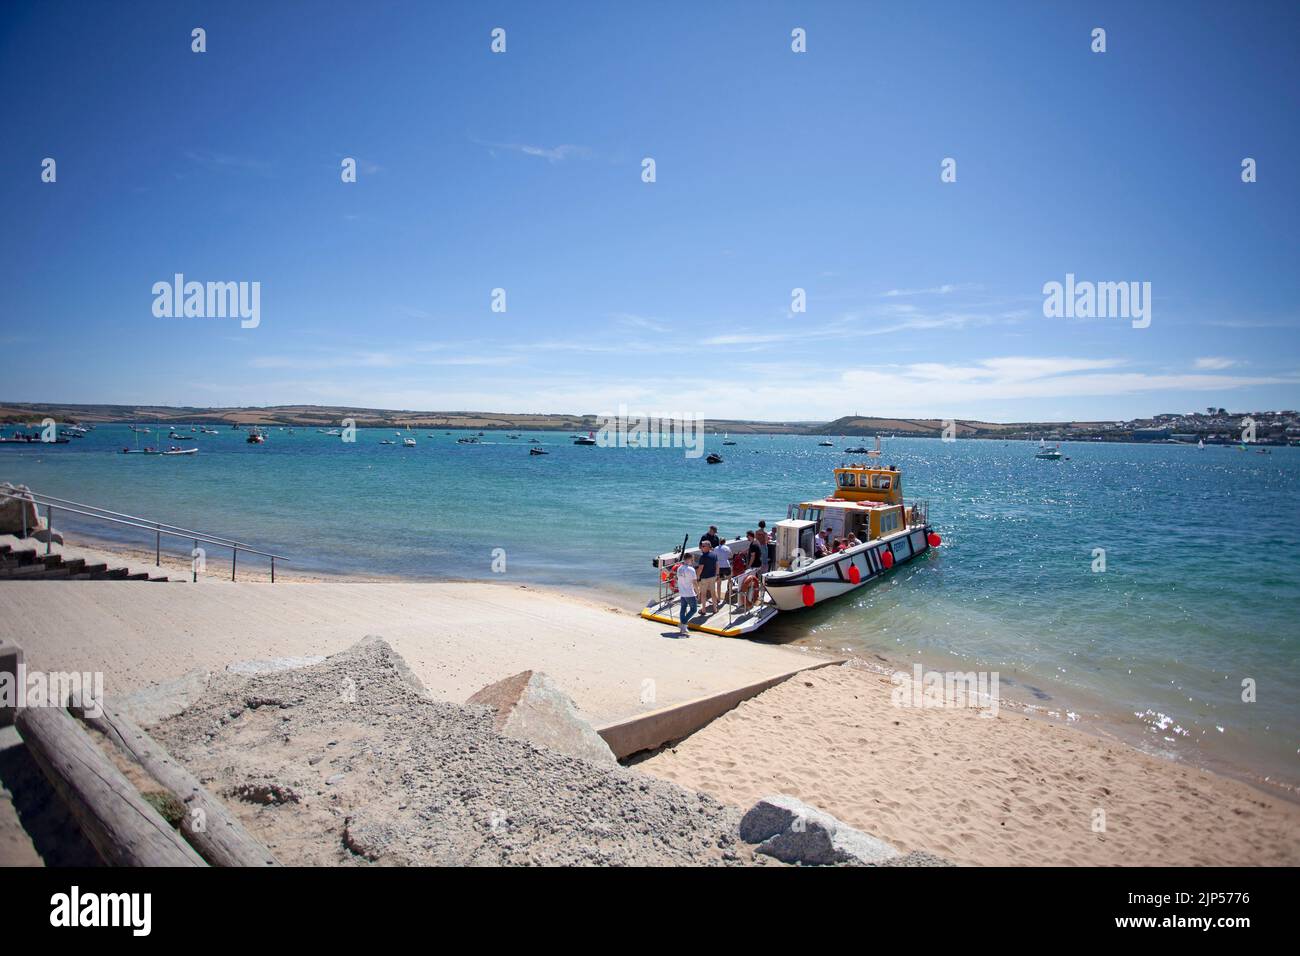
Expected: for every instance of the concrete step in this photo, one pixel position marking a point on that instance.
(24, 571)
(48, 574)
(88, 572)
(114, 574)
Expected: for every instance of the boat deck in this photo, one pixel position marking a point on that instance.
(725, 622)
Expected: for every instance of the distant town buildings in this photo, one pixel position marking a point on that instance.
(1214, 426)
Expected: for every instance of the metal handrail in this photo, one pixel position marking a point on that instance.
(135, 521)
(44, 499)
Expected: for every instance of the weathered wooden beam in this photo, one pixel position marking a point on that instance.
(207, 824)
(117, 821)
(11, 675)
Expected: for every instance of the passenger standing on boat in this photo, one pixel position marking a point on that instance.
(724, 560)
(819, 546)
(761, 537)
(706, 588)
(711, 536)
(769, 556)
(686, 589)
(754, 557)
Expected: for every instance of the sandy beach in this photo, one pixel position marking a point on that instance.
(1007, 790)
(456, 637)
(975, 790)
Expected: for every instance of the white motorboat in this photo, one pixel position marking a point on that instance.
(1046, 453)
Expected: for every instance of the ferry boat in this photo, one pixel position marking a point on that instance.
(867, 503)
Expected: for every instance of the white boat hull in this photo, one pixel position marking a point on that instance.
(831, 577)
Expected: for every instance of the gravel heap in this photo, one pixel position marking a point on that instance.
(349, 761)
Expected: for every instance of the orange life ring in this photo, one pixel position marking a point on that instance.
(749, 590)
(670, 577)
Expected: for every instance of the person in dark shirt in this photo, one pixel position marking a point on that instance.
(711, 536)
(767, 544)
(755, 552)
(707, 585)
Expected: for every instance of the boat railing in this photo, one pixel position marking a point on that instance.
(729, 595)
(159, 528)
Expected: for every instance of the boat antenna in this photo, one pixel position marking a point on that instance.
(686, 537)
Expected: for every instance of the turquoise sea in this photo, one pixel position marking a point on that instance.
(1200, 592)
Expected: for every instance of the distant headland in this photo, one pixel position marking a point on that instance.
(1217, 426)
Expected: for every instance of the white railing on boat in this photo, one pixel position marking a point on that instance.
(159, 529)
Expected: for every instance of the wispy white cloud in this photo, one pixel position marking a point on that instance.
(639, 322)
(945, 289)
(425, 355)
(1215, 363)
(553, 154)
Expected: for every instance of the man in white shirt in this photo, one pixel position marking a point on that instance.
(686, 590)
(724, 564)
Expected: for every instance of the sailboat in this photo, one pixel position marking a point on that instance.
(1201, 444)
(137, 450)
(408, 441)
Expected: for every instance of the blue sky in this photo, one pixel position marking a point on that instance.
(775, 171)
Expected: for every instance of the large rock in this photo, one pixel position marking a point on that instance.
(795, 832)
(529, 706)
(12, 509)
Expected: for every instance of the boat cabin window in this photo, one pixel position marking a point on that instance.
(847, 480)
(882, 482)
(890, 522)
(810, 514)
